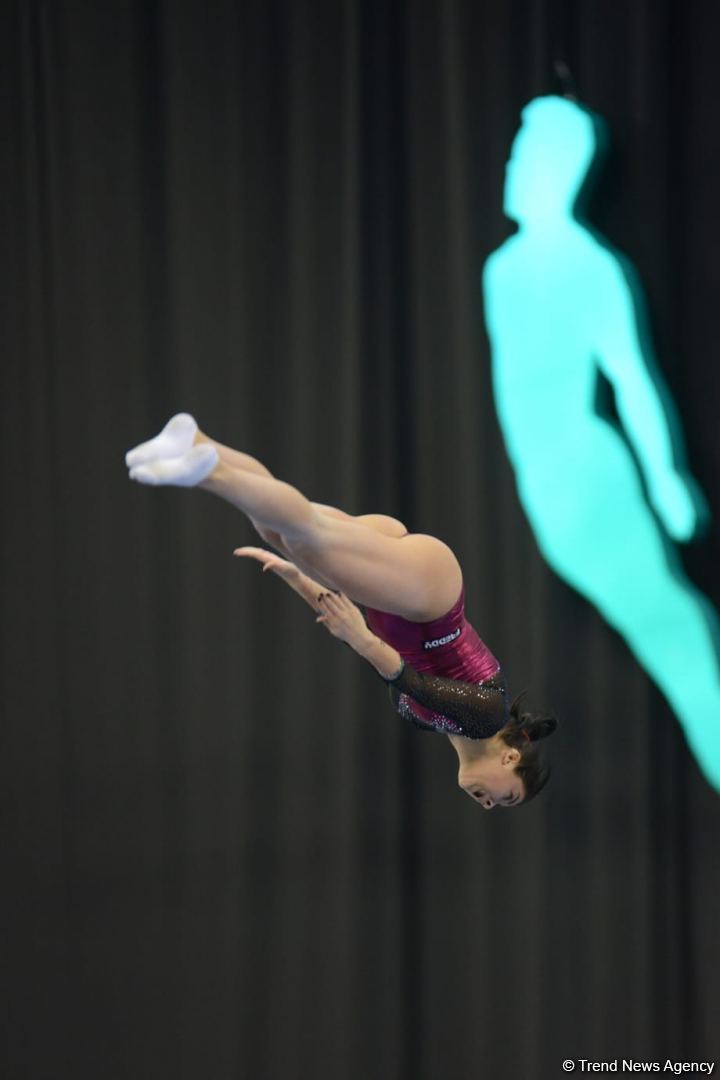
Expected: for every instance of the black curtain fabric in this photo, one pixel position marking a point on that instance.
(223, 854)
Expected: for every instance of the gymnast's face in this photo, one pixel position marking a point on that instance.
(491, 780)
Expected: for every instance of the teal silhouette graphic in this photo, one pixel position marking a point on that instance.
(607, 496)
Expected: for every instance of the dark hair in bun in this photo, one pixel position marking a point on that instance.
(523, 731)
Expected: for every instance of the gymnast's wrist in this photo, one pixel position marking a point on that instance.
(364, 642)
(387, 661)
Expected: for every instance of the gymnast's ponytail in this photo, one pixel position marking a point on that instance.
(522, 731)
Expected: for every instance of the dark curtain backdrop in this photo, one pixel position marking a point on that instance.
(223, 855)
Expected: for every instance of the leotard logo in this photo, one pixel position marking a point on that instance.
(441, 640)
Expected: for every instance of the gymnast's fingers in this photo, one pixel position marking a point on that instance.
(340, 604)
(253, 553)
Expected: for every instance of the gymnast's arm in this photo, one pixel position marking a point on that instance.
(300, 583)
(478, 708)
(339, 615)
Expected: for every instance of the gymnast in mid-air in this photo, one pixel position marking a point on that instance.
(414, 632)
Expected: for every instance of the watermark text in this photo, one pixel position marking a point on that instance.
(583, 1065)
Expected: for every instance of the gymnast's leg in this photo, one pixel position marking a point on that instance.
(382, 523)
(412, 575)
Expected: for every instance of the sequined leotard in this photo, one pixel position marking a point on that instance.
(450, 681)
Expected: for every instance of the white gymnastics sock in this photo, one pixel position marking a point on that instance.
(185, 471)
(174, 440)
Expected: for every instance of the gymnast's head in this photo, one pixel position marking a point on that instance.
(550, 160)
(508, 769)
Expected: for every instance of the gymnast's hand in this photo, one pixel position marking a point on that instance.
(342, 618)
(270, 561)
(345, 621)
(291, 574)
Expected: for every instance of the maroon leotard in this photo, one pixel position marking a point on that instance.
(450, 681)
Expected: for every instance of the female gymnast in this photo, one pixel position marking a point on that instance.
(441, 675)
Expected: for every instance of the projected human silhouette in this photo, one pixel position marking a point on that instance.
(605, 500)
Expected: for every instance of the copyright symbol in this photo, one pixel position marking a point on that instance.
(568, 1065)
